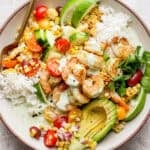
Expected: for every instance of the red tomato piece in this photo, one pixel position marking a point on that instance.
(50, 138)
(53, 67)
(31, 67)
(62, 45)
(60, 121)
(136, 78)
(9, 63)
(35, 132)
(33, 45)
(40, 12)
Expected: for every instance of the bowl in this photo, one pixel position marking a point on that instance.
(18, 122)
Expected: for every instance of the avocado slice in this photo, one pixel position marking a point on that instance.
(136, 105)
(97, 120)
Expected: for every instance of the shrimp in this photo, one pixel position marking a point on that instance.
(121, 48)
(61, 98)
(111, 67)
(93, 46)
(90, 60)
(74, 73)
(119, 100)
(79, 96)
(44, 77)
(93, 86)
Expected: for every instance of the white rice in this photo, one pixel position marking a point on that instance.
(18, 88)
(113, 24)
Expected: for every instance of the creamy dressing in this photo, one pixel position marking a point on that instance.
(63, 101)
(72, 81)
(91, 59)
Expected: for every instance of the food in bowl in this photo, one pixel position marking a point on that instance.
(80, 67)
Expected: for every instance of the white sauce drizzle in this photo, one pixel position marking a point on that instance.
(72, 81)
(63, 101)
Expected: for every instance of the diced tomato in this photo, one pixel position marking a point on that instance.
(40, 12)
(50, 138)
(62, 45)
(60, 121)
(33, 45)
(136, 78)
(9, 63)
(53, 67)
(31, 67)
(35, 132)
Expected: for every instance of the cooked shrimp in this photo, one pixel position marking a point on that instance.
(122, 48)
(111, 66)
(93, 46)
(79, 96)
(44, 77)
(61, 98)
(93, 86)
(119, 100)
(90, 60)
(74, 73)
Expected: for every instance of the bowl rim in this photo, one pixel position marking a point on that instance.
(132, 11)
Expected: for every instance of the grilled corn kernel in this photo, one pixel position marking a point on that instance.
(57, 20)
(52, 13)
(132, 91)
(44, 24)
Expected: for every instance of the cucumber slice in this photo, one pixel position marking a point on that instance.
(40, 36)
(40, 93)
(136, 105)
(79, 38)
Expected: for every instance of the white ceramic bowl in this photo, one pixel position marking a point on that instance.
(18, 121)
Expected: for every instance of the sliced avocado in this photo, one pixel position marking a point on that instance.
(79, 38)
(97, 120)
(136, 105)
(40, 93)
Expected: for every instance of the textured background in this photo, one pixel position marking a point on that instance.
(140, 142)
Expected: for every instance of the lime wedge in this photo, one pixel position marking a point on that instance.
(81, 10)
(67, 11)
